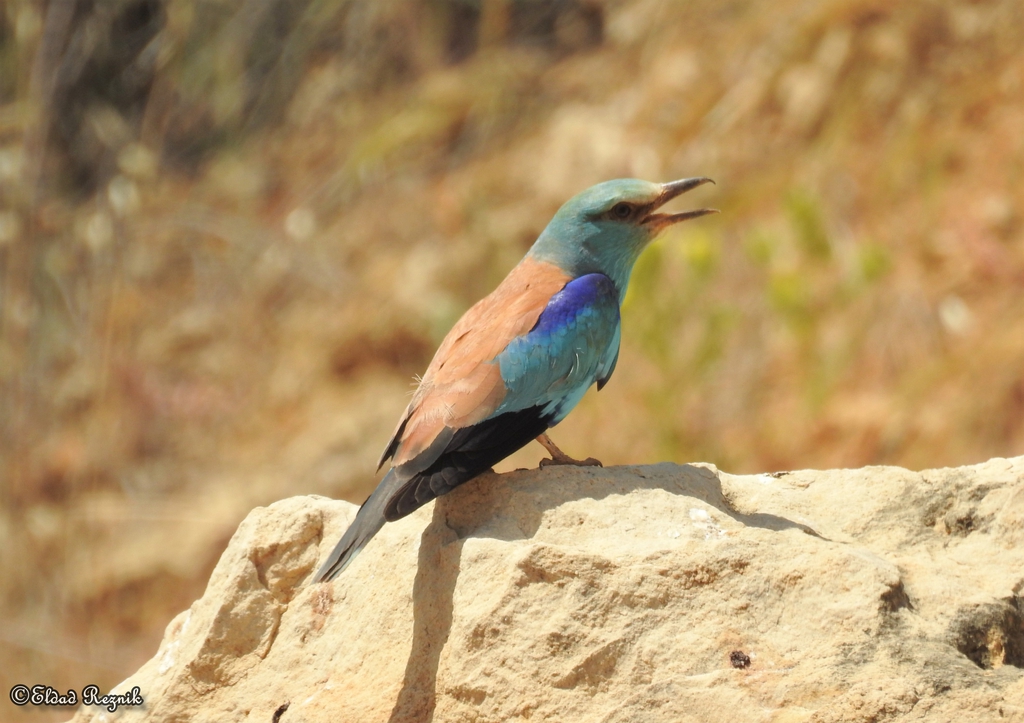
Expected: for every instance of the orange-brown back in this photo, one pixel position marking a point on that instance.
(463, 384)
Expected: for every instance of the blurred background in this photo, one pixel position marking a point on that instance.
(231, 231)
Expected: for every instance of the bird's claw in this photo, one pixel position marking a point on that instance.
(560, 457)
(552, 461)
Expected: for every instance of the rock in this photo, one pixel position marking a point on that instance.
(659, 593)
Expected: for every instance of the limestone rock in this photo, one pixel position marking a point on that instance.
(658, 593)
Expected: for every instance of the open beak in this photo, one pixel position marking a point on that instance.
(657, 221)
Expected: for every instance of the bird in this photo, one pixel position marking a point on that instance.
(518, 361)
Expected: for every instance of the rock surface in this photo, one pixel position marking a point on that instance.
(658, 593)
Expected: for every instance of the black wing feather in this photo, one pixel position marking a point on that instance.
(472, 450)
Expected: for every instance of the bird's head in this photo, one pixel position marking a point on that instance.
(604, 228)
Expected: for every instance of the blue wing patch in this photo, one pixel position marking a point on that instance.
(574, 343)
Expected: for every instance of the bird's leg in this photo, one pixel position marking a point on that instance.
(560, 457)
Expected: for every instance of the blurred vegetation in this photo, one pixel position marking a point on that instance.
(231, 232)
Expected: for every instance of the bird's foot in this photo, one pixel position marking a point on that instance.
(565, 459)
(559, 457)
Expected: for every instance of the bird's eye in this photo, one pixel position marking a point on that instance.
(621, 210)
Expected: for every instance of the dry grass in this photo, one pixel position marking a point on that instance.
(219, 277)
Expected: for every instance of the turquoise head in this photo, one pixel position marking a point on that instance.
(606, 227)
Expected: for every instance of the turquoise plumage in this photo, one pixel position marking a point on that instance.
(574, 344)
(520, 359)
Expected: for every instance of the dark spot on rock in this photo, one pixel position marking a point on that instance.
(960, 525)
(895, 598)
(990, 634)
(739, 660)
(280, 712)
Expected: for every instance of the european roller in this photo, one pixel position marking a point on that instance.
(520, 359)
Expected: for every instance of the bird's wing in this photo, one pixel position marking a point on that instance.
(574, 343)
(463, 384)
(542, 374)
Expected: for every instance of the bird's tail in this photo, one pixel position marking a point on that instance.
(367, 523)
